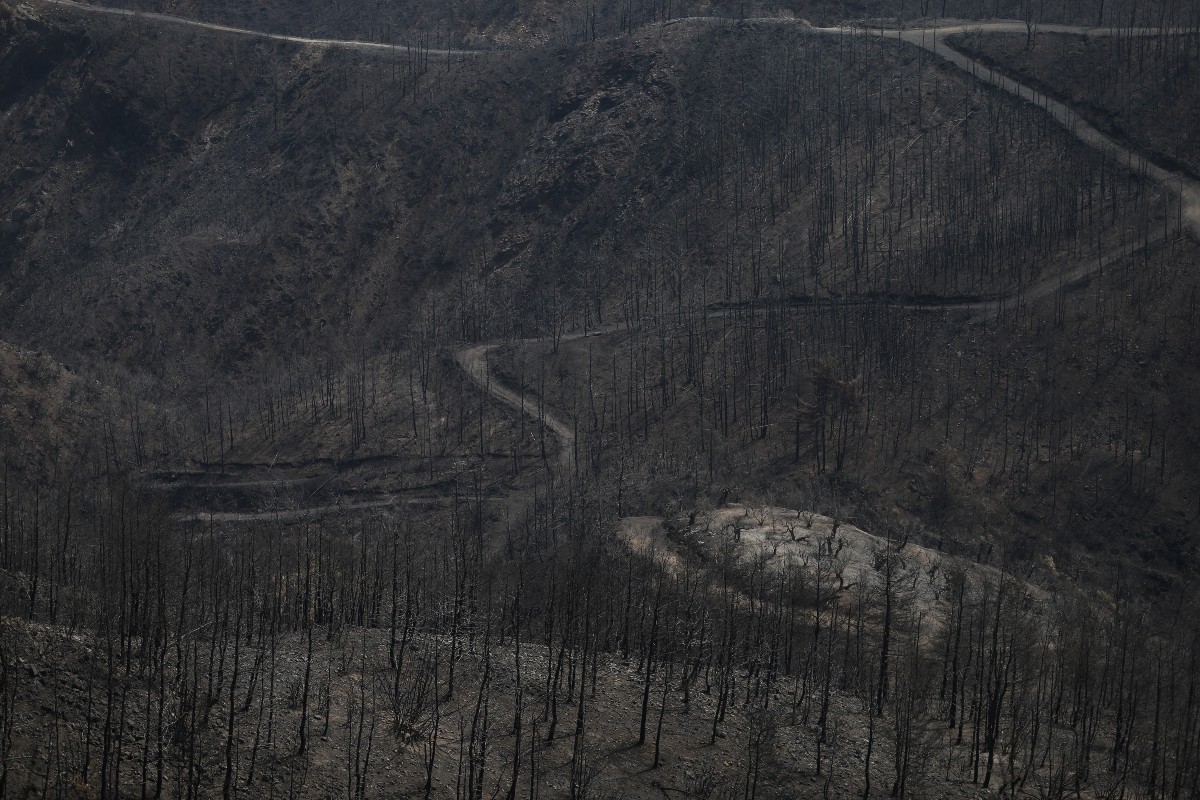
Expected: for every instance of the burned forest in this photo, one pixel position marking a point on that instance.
(607, 399)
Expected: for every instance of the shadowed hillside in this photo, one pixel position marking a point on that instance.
(1143, 88)
(224, 198)
(633, 407)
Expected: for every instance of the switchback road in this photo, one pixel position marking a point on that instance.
(474, 359)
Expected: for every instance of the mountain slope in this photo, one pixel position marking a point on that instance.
(210, 198)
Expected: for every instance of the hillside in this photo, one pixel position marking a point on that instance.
(299, 201)
(42, 408)
(199, 210)
(633, 402)
(880, 427)
(744, 667)
(1142, 88)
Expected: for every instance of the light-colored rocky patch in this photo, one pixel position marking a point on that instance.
(847, 558)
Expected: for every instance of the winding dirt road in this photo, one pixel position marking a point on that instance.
(1174, 182)
(290, 515)
(1187, 189)
(474, 359)
(380, 48)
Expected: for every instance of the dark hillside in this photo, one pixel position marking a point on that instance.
(209, 199)
(242, 222)
(1062, 426)
(716, 409)
(221, 197)
(1142, 88)
(48, 417)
